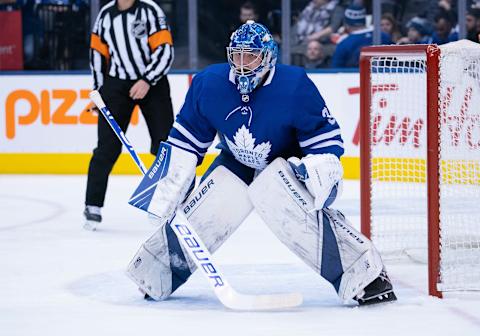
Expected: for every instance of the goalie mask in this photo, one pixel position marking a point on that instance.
(252, 52)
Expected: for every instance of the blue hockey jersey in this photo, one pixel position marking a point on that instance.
(285, 117)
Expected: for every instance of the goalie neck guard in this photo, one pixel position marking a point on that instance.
(252, 52)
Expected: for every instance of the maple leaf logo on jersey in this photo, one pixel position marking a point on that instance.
(246, 152)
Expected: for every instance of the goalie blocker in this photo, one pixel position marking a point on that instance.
(166, 183)
(323, 239)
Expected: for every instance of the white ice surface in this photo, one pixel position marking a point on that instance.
(57, 279)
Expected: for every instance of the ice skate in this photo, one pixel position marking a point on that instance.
(378, 291)
(93, 217)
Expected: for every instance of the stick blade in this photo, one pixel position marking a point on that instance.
(97, 99)
(236, 301)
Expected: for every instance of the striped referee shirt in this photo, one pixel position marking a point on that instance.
(131, 44)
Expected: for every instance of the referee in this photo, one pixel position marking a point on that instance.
(131, 52)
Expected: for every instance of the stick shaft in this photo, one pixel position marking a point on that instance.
(97, 99)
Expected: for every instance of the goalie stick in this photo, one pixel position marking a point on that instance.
(197, 250)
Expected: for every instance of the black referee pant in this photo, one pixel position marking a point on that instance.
(157, 110)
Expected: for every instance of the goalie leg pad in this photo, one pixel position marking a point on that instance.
(361, 260)
(324, 240)
(152, 260)
(213, 214)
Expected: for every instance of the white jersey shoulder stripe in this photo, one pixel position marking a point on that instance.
(328, 144)
(321, 137)
(183, 145)
(190, 136)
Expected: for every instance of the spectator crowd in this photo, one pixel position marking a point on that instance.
(330, 33)
(323, 34)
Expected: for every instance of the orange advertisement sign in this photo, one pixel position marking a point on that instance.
(39, 107)
(50, 114)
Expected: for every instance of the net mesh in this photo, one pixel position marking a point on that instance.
(460, 166)
(398, 132)
(398, 167)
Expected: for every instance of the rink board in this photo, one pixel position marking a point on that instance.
(45, 127)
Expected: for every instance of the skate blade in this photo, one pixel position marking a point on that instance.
(90, 225)
(381, 300)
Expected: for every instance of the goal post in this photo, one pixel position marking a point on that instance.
(420, 157)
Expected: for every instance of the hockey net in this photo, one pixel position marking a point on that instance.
(420, 157)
